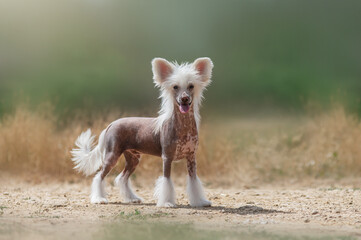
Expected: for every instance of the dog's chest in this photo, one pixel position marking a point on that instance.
(186, 145)
(186, 135)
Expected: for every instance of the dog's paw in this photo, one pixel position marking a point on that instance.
(206, 203)
(133, 200)
(202, 203)
(98, 200)
(166, 205)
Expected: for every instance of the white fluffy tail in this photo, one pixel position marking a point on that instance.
(86, 158)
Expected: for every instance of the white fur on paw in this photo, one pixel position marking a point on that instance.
(195, 193)
(202, 203)
(98, 194)
(126, 191)
(166, 205)
(164, 192)
(99, 200)
(134, 200)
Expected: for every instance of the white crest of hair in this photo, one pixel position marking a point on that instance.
(179, 74)
(164, 192)
(165, 112)
(195, 192)
(125, 187)
(87, 158)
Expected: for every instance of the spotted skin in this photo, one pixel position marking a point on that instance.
(186, 135)
(135, 136)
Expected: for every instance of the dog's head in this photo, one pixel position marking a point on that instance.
(183, 83)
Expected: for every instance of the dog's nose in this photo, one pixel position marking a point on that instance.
(185, 99)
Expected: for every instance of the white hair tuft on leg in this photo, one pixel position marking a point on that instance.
(98, 194)
(195, 193)
(125, 187)
(164, 192)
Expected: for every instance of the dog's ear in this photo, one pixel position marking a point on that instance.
(162, 69)
(204, 67)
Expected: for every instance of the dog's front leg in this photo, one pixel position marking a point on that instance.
(164, 190)
(194, 186)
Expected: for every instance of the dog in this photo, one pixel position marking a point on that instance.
(173, 135)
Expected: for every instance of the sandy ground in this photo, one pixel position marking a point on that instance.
(38, 207)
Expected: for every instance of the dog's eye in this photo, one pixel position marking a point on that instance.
(191, 86)
(175, 87)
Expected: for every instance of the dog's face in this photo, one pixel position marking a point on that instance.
(183, 83)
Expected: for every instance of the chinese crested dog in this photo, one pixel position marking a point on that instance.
(173, 135)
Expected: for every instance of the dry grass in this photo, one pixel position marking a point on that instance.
(325, 146)
(244, 150)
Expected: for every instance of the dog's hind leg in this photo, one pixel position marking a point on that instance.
(195, 191)
(122, 180)
(98, 194)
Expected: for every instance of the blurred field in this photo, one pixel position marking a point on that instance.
(139, 230)
(91, 60)
(232, 151)
(95, 54)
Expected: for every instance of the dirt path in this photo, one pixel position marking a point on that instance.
(335, 210)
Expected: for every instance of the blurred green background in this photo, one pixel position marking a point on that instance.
(94, 54)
